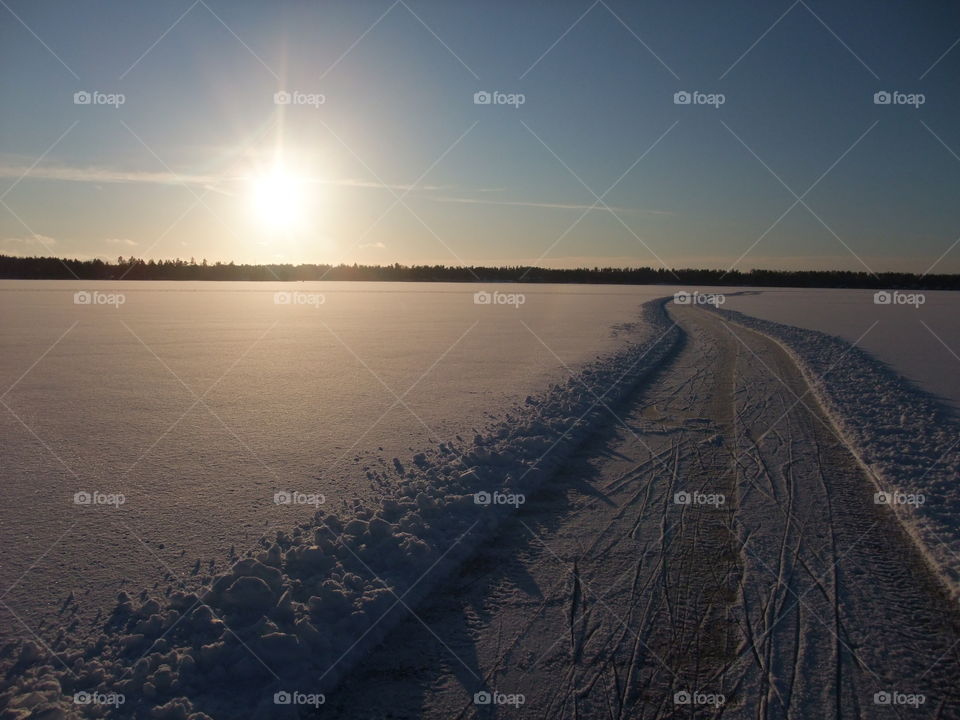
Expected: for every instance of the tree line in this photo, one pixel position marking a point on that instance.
(132, 268)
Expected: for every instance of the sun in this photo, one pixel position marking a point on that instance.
(279, 199)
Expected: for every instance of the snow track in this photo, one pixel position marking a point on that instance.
(907, 440)
(797, 597)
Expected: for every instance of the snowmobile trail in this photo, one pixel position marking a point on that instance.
(715, 551)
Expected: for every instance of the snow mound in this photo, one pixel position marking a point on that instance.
(906, 439)
(290, 620)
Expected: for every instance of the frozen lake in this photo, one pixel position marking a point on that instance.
(149, 428)
(199, 401)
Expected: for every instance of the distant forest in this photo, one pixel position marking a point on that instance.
(51, 268)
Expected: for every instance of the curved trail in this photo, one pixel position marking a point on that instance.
(719, 543)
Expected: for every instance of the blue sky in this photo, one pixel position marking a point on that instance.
(398, 164)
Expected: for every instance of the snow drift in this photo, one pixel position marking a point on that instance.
(906, 439)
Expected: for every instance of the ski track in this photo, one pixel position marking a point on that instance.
(796, 598)
(906, 440)
(600, 597)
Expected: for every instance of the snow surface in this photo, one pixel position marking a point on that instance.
(927, 355)
(797, 597)
(262, 403)
(907, 439)
(316, 598)
(315, 398)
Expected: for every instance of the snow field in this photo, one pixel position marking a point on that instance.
(295, 616)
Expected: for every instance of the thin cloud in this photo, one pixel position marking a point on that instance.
(29, 240)
(548, 205)
(25, 246)
(103, 176)
(215, 183)
(349, 182)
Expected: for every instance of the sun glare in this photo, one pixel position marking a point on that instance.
(279, 199)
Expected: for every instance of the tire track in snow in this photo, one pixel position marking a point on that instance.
(797, 598)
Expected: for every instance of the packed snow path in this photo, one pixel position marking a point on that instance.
(719, 553)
